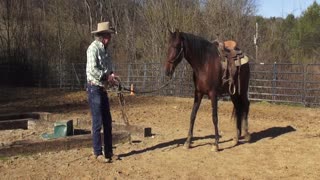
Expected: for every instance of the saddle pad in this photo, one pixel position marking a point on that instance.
(243, 60)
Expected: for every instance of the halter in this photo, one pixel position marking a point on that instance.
(181, 50)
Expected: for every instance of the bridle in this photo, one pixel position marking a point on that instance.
(180, 52)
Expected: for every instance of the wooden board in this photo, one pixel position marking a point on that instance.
(33, 115)
(14, 124)
(134, 130)
(78, 141)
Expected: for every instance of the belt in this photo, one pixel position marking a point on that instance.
(93, 84)
(100, 87)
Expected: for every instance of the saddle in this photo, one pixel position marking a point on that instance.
(232, 57)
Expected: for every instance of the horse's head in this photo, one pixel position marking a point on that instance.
(175, 52)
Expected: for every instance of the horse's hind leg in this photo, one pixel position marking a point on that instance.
(214, 104)
(241, 110)
(197, 100)
(237, 114)
(245, 74)
(246, 105)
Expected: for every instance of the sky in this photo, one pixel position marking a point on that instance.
(281, 8)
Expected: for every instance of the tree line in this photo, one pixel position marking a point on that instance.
(49, 33)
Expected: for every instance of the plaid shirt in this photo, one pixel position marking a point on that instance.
(99, 63)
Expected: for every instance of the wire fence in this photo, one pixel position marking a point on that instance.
(288, 83)
(284, 83)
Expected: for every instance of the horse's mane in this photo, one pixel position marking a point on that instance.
(200, 45)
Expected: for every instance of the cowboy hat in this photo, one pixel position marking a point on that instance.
(104, 27)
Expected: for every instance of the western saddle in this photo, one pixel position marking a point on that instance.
(232, 57)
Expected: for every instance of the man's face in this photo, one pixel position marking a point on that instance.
(106, 39)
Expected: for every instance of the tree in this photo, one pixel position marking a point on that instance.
(307, 35)
(230, 19)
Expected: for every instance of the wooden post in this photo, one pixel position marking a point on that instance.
(70, 142)
(131, 90)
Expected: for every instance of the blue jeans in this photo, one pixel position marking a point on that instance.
(101, 117)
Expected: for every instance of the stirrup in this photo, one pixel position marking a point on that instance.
(234, 89)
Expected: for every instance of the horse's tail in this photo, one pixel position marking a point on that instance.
(233, 115)
(237, 116)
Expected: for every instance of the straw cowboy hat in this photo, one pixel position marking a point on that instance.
(104, 27)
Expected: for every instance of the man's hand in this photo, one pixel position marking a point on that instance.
(112, 80)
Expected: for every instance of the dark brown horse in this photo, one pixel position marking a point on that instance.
(205, 60)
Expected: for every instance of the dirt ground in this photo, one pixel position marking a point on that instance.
(285, 141)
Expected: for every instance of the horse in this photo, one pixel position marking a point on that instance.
(206, 61)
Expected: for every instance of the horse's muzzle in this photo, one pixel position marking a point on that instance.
(168, 73)
(169, 69)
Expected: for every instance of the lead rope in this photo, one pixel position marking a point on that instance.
(121, 101)
(122, 107)
(120, 87)
(121, 97)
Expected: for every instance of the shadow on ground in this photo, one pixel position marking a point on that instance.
(256, 136)
(173, 143)
(270, 133)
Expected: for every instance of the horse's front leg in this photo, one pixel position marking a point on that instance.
(197, 100)
(214, 104)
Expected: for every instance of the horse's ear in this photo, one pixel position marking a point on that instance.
(170, 31)
(168, 26)
(178, 34)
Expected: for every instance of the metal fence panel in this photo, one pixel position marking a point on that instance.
(289, 83)
(312, 85)
(277, 82)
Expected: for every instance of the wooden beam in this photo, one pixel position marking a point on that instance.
(133, 129)
(14, 124)
(33, 115)
(70, 142)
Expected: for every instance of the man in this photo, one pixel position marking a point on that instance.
(99, 70)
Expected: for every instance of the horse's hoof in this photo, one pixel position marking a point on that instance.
(247, 137)
(186, 146)
(235, 141)
(214, 148)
